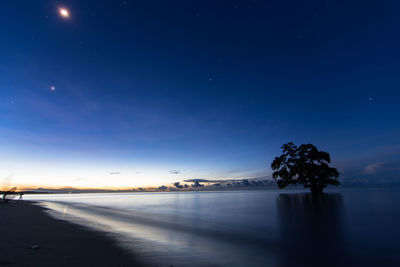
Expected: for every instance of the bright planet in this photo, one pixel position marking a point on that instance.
(64, 12)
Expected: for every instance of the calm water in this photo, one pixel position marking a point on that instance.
(244, 228)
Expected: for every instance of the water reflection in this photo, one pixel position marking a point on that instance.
(248, 228)
(172, 239)
(312, 230)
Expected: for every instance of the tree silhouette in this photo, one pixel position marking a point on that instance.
(304, 165)
(9, 194)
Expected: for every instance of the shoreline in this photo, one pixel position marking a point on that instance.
(31, 237)
(291, 189)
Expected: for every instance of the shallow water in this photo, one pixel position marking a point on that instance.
(244, 228)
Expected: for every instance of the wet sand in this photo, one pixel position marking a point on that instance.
(30, 237)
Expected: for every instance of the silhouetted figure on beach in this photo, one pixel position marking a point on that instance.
(9, 194)
(304, 165)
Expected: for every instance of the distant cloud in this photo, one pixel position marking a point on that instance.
(202, 180)
(233, 183)
(175, 171)
(373, 168)
(114, 173)
(178, 185)
(380, 167)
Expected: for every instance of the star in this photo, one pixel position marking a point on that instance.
(52, 88)
(63, 12)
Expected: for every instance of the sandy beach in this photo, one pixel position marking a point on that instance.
(30, 237)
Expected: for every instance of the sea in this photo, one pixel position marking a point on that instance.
(347, 227)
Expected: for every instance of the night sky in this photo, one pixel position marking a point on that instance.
(136, 93)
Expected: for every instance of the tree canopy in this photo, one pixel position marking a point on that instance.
(304, 165)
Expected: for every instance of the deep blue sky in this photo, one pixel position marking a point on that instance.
(209, 88)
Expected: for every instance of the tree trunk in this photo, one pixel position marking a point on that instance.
(316, 189)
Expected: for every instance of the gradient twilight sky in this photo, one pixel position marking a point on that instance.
(211, 89)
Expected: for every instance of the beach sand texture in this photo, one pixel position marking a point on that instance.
(30, 237)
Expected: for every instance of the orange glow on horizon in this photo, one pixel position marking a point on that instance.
(36, 187)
